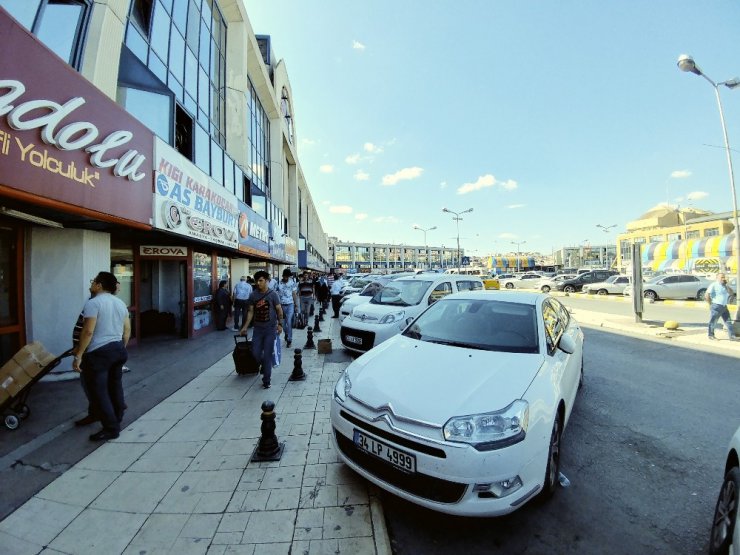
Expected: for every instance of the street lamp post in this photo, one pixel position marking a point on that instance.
(426, 247)
(606, 229)
(686, 63)
(518, 252)
(457, 219)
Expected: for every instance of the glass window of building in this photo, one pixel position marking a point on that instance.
(711, 232)
(656, 238)
(343, 253)
(673, 236)
(693, 234)
(258, 142)
(152, 109)
(362, 254)
(59, 24)
(202, 277)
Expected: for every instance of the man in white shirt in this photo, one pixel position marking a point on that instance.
(287, 291)
(336, 293)
(240, 296)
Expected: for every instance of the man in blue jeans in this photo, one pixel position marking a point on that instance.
(264, 307)
(287, 290)
(718, 296)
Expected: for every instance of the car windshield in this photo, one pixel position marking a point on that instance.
(479, 324)
(611, 279)
(371, 288)
(402, 293)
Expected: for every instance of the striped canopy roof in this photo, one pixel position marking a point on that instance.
(717, 246)
(510, 262)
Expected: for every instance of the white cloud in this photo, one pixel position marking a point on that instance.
(361, 216)
(372, 148)
(352, 158)
(340, 209)
(326, 168)
(326, 202)
(507, 236)
(401, 175)
(516, 206)
(680, 174)
(697, 195)
(443, 185)
(386, 220)
(361, 175)
(485, 181)
(357, 45)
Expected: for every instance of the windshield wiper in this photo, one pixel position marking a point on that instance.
(396, 303)
(457, 344)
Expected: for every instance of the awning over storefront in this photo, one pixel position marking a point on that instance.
(706, 255)
(510, 262)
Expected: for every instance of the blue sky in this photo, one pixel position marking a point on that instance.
(546, 118)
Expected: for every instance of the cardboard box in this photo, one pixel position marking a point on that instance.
(33, 358)
(4, 395)
(15, 380)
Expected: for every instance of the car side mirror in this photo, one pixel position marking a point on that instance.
(567, 344)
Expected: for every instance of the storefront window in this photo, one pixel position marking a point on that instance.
(202, 277)
(223, 267)
(124, 273)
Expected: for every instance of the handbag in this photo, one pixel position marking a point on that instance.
(276, 352)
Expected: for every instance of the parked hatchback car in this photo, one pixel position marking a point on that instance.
(396, 304)
(464, 411)
(352, 300)
(577, 283)
(527, 280)
(615, 285)
(673, 286)
(725, 536)
(551, 283)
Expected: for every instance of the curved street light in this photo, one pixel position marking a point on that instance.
(457, 219)
(518, 252)
(607, 229)
(687, 63)
(426, 248)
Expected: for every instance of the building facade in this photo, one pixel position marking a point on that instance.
(351, 257)
(152, 138)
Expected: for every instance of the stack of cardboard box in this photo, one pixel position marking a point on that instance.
(25, 365)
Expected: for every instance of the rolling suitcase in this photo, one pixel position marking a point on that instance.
(244, 361)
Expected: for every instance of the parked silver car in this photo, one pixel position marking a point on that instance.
(615, 285)
(673, 286)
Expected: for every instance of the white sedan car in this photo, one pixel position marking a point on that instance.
(464, 411)
(615, 285)
(529, 280)
(725, 537)
(673, 286)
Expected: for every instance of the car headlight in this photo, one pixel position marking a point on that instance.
(491, 430)
(343, 387)
(392, 317)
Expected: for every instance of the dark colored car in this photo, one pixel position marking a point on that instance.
(577, 283)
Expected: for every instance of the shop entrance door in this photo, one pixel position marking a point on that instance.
(163, 299)
(12, 336)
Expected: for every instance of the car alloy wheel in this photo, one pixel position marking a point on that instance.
(545, 288)
(569, 289)
(602, 292)
(700, 294)
(725, 514)
(651, 295)
(510, 285)
(552, 473)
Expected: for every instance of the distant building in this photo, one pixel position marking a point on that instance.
(353, 257)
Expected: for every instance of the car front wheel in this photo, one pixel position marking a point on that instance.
(510, 286)
(700, 294)
(569, 289)
(725, 514)
(552, 473)
(545, 288)
(651, 295)
(603, 292)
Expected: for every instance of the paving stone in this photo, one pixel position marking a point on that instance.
(169, 411)
(282, 477)
(190, 546)
(212, 409)
(158, 532)
(347, 522)
(136, 492)
(78, 486)
(145, 431)
(309, 524)
(114, 456)
(38, 521)
(233, 522)
(269, 527)
(283, 499)
(95, 531)
(194, 429)
(255, 500)
(17, 546)
(272, 549)
(199, 488)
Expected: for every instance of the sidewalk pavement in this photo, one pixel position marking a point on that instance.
(179, 479)
(692, 336)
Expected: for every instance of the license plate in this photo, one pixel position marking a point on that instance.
(399, 459)
(353, 339)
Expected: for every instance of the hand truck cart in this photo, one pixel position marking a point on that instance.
(15, 409)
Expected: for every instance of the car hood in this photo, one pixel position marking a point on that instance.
(431, 383)
(373, 311)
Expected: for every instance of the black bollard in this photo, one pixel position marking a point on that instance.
(298, 373)
(321, 313)
(268, 448)
(309, 340)
(316, 327)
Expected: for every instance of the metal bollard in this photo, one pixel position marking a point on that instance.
(321, 313)
(316, 327)
(298, 373)
(268, 448)
(309, 341)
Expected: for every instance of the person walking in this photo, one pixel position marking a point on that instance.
(718, 296)
(223, 305)
(287, 290)
(240, 296)
(336, 293)
(265, 308)
(306, 294)
(101, 353)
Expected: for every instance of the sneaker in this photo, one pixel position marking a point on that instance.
(287, 344)
(711, 337)
(104, 435)
(265, 386)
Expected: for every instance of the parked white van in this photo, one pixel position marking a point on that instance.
(396, 305)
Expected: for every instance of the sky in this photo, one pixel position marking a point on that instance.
(547, 118)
